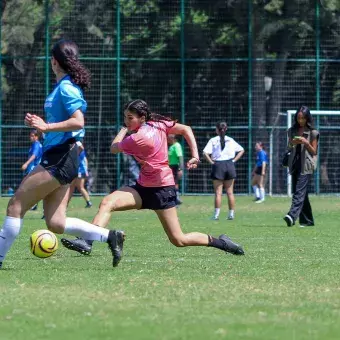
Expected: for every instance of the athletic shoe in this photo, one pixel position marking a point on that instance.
(260, 201)
(214, 218)
(115, 241)
(35, 207)
(256, 199)
(178, 202)
(230, 246)
(289, 220)
(0, 265)
(88, 205)
(230, 217)
(78, 244)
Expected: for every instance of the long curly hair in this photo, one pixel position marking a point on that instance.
(67, 54)
(141, 108)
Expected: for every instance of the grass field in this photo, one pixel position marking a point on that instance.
(286, 287)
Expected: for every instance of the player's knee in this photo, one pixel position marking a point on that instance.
(55, 226)
(107, 205)
(177, 241)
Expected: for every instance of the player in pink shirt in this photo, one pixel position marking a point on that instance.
(155, 187)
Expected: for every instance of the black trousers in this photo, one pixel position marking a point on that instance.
(301, 207)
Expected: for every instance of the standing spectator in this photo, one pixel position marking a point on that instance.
(131, 170)
(83, 174)
(34, 156)
(303, 143)
(222, 152)
(259, 173)
(176, 162)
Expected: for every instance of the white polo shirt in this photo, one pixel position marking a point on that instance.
(231, 148)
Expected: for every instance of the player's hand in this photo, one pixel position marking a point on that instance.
(24, 167)
(192, 163)
(36, 122)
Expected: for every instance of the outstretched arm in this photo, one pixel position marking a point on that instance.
(186, 132)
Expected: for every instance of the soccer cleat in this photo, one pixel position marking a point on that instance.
(79, 245)
(260, 201)
(0, 265)
(230, 246)
(35, 207)
(88, 205)
(115, 241)
(289, 220)
(230, 217)
(214, 218)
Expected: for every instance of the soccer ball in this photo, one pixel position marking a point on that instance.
(43, 243)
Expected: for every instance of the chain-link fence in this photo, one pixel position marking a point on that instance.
(199, 61)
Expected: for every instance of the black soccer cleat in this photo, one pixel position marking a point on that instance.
(79, 245)
(115, 241)
(230, 246)
(0, 265)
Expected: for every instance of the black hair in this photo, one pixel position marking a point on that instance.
(222, 129)
(261, 144)
(35, 132)
(67, 55)
(141, 108)
(306, 113)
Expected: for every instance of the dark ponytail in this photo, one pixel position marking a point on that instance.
(67, 55)
(222, 129)
(141, 108)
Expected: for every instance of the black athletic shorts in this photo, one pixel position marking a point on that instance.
(223, 170)
(258, 170)
(174, 169)
(156, 198)
(62, 161)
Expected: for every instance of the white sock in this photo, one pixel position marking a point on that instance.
(256, 191)
(262, 193)
(217, 212)
(85, 230)
(231, 213)
(10, 230)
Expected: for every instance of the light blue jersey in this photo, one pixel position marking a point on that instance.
(60, 105)
(82, 163)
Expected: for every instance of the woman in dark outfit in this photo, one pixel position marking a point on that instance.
(303, 143)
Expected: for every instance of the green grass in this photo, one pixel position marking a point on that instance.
(286, 287)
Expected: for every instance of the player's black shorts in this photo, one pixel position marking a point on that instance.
(174, 169)
(62, 161)
(156, 198)
(223, 170)
(258, 170)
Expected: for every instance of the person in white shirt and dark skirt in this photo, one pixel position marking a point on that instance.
(222, 152)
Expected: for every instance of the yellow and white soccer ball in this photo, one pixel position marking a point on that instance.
(43, 243)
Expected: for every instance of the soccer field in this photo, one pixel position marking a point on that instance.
(285, 287)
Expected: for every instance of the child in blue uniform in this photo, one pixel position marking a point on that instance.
(83, 173)
(259, 173)
(34, 156)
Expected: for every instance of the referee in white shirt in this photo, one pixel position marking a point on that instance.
(222, 152)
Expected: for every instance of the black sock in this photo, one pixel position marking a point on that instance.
(216, 243)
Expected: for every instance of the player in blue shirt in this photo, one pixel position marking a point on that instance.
(34, 153)
(34, 156)
(50, 180)
(83, 173)
(259, 173)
